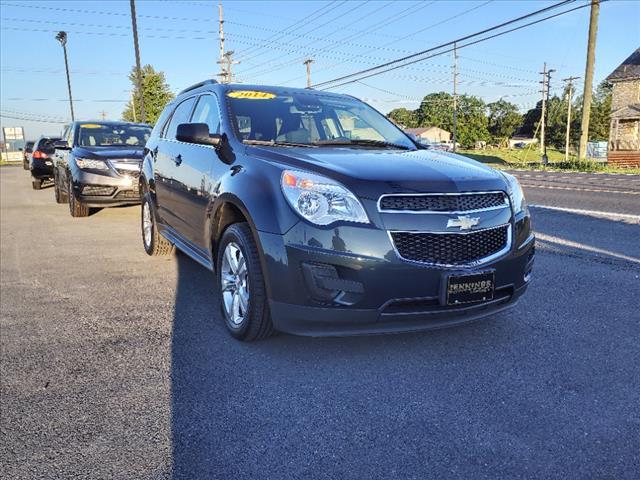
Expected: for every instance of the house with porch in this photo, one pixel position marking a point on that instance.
(624, 133)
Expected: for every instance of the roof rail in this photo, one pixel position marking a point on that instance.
(198, 85)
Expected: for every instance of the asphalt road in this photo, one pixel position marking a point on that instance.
(117, 365)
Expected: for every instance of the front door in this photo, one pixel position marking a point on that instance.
(167, 163)
(197, 173)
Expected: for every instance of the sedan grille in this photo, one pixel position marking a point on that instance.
(443, 203)
(451, 248)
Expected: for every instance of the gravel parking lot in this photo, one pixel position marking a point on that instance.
(117, 365)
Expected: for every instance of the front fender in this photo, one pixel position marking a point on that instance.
(147, 177)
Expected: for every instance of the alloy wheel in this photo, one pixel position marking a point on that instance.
(147, 225)
(234, 283)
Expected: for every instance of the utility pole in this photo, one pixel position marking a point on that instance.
(222, 62)
(103, 114)
(588, 79)
(569, 100)
(544, 109)
(455, 95)
(228, 61)
(308, 63)
(62, 38)
(546, 88)
(134, 26)
(133, 107)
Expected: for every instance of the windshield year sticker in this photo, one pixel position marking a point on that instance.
(251, 94)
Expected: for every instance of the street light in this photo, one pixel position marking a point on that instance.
(62, 38)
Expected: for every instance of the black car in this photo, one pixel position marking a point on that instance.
(321, 217)
(28, 148)
(41, 162)
(97, 164)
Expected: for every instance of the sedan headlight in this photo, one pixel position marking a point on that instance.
(515, 193)
(89, 164)
(321, 200)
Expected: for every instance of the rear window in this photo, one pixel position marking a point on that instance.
(46, 144)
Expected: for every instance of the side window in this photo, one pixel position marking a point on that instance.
(207, 111)
(180, 115)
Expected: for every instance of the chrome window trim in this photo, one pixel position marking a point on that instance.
(448, 212)
(475, 263)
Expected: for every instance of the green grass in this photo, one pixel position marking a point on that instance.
(529, 159)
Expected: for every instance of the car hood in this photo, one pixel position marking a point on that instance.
(109, 153)
(370, 173)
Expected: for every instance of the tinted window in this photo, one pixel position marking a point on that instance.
(180, 115)
(310, 118)
(103, 135)
(207, 111)
(46, 144)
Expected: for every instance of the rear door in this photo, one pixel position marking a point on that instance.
(168, 158)
(197, 173)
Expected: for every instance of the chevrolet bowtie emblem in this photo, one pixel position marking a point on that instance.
(464, 223)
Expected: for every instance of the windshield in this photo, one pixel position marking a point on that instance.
(299, 118)
(109, 135)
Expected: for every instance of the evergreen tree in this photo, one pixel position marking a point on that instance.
(156, 94)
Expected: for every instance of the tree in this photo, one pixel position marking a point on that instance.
(503, 121)
(156, 94)
(600, 120)
(403, 117)
(436, 110)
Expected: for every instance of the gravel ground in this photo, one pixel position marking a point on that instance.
(117, 365)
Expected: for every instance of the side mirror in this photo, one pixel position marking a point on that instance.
(197, 133)
(61, 145)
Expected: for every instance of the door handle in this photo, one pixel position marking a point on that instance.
(177, 160)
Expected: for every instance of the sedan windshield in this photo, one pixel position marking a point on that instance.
(109, 135)
(310, 119)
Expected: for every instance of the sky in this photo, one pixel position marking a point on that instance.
(271, 39)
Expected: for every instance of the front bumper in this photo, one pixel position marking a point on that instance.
(394, 295)
(98, 190)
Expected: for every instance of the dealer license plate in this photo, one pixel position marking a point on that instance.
(470, 288)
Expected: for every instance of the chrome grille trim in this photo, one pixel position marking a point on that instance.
(440, 212)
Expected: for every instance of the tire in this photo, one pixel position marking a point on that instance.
(61, 197)
(154, 243)
(254, 320)
(25, 164)
(36, 183)
(76, 208)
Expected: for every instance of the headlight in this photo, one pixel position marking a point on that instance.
(86, 163)
(321, 200)
(515, 193)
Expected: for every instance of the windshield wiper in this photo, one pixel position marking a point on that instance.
(272, 143)
(362, 141)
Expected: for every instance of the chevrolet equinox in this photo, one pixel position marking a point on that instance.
(320, 217)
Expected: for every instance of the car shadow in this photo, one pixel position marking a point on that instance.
(220, 387)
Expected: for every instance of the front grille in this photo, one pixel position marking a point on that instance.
(97, 191)
(129, 194)
(451, 248)
(128, 173)
(442, 203)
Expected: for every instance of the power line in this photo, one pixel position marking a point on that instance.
(411, 59)
(413, 34)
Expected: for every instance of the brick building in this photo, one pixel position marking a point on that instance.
(624, 133)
